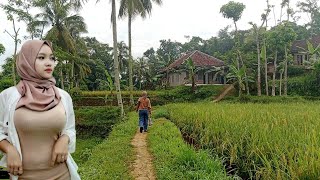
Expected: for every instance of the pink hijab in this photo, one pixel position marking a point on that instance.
(37, 93)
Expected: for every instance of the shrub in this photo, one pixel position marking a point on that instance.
(308, 85)
(75, 92)
(295, 70)
(5, 83)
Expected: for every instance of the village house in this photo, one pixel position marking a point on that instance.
(299, 50)
(177, 73)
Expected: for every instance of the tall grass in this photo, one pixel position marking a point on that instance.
(261, 141)
(173, 159)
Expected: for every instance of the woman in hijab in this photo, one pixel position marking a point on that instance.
(37, 122)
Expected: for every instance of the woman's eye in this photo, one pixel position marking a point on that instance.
(53, 58)
(41, 57)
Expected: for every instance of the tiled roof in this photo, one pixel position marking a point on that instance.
(199, 59)
(300, 45)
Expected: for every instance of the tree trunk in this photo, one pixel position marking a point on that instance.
(72, 74)
(68, 78)
(259, 64)
(285, 81)
(42, 32)
(61, 78)
(237, 43)
(280, 86)
(130, 59)
(193, 83)
(265, 67)
(115, 55)
(240, 89)
(167, 79)
(274, 74)
(240, 58)
(16, 40)
(14, 61)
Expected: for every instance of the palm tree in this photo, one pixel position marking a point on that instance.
(64, 25)
(130, 9)
(192, 73)
(115, 55)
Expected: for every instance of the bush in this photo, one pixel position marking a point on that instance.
(5, 83)
(308, 85)
(295, 70)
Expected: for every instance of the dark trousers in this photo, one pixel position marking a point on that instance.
(143, 119)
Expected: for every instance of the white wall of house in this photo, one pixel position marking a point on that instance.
(176, 79)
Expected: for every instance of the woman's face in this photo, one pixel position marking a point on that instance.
(45, 62)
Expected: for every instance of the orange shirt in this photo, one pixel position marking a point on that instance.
(144, 103)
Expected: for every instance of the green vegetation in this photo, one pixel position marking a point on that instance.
(263, 141)
(95, 121)
(178, 94)
(84, 149)
(173, 159)
(93, 124)
(109, 160)
(269, 99)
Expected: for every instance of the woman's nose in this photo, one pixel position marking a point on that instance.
(49, 63)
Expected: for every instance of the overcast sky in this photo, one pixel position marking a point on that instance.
(173, 20)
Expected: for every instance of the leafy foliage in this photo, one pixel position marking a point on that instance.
(232, 10)
(2, 49)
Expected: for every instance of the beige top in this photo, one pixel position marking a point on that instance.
(38, 132)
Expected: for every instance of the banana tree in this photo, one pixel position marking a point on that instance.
(239, 77)
(313, 52)
(192, 73)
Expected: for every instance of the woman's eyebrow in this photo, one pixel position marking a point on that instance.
(45, 54)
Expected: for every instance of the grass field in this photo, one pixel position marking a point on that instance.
(111, 158)
(174, 159)
(260, 141)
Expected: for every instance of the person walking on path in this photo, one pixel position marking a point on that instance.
(144, 110)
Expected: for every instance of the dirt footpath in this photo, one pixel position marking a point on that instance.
(142, 166)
